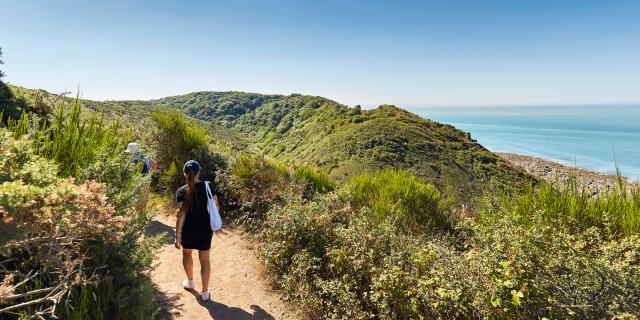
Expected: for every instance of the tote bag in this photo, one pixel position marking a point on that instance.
(214, 213)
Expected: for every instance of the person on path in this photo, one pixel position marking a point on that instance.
(148, 165)
(193, 230)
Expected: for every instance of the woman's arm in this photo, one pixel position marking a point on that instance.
(180, 212)
(215, 198)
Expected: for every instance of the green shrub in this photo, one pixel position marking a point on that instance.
(211, 160)
(339, 264)
(542, 270)
(177, 140)
(316, 181)
(121, 176)
(578, 209)
(396, 196)
(73, 141)
(252, 186)
(72, 220)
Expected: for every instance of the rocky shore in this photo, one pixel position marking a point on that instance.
(555, 172)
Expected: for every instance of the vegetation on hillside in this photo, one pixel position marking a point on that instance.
(254, 184)
(71, 242)
(399, 198)
(177, 140)
(341, 258)
(222, 107)
(373, 214)
(321, 133)
(342, 141)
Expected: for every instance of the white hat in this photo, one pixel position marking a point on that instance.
(132, 148)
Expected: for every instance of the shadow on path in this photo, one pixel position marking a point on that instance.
(167, 304)
(177, 305)
(219, 311)
(155, 228)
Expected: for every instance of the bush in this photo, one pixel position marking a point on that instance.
(65, 234)
(316, 181)
(122, 179)
(339, 264)
(178, 140)
(396, 196)
(578, 209)
(73, 141)
(253, 185)
(211, 160)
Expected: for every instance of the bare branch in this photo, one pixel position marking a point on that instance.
(20, 295)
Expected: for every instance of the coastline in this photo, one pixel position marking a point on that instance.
(551, 171)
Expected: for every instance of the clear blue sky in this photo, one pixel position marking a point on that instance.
(366, 52)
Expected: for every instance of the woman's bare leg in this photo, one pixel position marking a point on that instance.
(187, 262)
(205, 269)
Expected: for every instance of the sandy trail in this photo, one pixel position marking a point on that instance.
(238, 289)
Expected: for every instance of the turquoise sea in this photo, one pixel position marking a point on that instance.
(592, 136)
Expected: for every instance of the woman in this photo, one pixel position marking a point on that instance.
(193, 230)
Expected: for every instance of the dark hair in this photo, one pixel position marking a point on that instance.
(191, 169)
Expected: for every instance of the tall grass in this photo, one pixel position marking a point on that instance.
(575, 208)
(177, 139)
(107, 183)
(398, 196)
(182, 134)
(71, 140)
(317, 181)
(256, 171)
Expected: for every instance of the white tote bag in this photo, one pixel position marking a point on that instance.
(214, 213)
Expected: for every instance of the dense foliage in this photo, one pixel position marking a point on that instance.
(341, 263)
(71, 240)
(345, 142)
(399, 198)
(255, 184)
(15, 100)
(342, 238)
(72, 141)
(176, 140)
(224, 107)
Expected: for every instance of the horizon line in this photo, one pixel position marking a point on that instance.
(79, 94)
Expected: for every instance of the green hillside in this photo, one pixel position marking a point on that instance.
(382, 245)
(133, 114)
(346, 141)
(322, 133)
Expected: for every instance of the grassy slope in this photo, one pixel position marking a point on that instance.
(341, 140)
(345, 141)
(134, 114)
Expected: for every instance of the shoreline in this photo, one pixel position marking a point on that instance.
(552, 171)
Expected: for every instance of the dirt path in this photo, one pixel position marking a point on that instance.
(238, 291)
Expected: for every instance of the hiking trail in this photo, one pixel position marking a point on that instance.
(238, 289)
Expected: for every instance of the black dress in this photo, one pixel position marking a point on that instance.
(196, 228)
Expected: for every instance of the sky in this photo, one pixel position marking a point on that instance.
(355, 52)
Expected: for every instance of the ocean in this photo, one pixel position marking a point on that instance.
(594, 137)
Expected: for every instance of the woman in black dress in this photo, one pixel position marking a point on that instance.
(193, 230)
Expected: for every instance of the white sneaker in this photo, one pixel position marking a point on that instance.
(188, 284)
(205, 295)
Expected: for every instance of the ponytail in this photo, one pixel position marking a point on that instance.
(191, 187)
(191, 170)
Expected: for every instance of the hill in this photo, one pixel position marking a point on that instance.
(322, 133)
(134, 114)
(384, 245)
(346, 141)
